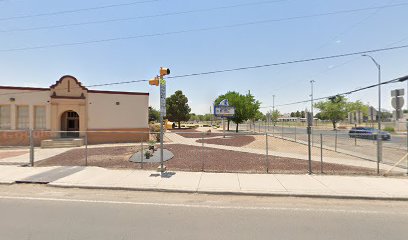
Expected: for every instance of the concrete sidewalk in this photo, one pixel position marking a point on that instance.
(236, 183)
(218, 183)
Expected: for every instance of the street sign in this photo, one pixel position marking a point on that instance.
(224, 102)
(163, 97)
(397, 102)
(397, 92)
(224, 111)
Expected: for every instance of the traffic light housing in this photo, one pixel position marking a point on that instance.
(164, 71)
(154, 81)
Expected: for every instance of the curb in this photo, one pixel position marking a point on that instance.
(295, 195)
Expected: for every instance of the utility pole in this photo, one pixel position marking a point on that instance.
(273, 112)
(379, 135)
(311, 95)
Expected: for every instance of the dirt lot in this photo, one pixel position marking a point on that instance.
(235, 141)
(191, 158)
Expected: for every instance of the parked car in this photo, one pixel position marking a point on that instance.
(368, 133)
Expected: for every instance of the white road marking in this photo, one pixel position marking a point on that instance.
(201, 206)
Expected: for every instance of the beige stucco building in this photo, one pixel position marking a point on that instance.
(69, 107)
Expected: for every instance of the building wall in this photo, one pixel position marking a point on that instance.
(30, 98)
(121, 113)
(131, 112)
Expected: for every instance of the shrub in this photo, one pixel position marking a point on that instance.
(389, 129)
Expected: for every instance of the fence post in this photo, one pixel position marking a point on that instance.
(86, 148)
(321, 153)
(141, 152)
(31, 147)
(282, 129)
(267, 148)
(202, 152)
(335, 141)
(295, 134)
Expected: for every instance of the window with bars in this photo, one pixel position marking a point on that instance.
(39, 117)
(23, 120)
(5, 117)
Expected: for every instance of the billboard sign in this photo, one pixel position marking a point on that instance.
(224, 111)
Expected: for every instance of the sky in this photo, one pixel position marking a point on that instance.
(27, 25)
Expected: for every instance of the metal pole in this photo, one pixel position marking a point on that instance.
(266, 148)
(311, 107)
(86, 148)
(223, 127)
(282, 129)
(321, 153)
(141, 152)
(335, 141)
(295, 133)
(202, 152)
(31, 148)
(309, 146)
(161, 143)
(407, 147)
(355, 139)
(379, 137)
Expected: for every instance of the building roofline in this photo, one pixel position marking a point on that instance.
(68, 76)
(24, 88)
(118, 92)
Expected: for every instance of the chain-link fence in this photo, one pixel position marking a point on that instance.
(254, 149)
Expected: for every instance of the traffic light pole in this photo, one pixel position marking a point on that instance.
(161, 144)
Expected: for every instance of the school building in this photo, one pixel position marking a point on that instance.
(66, 109)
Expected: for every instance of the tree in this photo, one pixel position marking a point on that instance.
(154, 115)
(246, 107)
(358, 106)
(177, 108)
(335, 109)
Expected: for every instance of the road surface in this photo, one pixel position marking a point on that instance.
(41, 212)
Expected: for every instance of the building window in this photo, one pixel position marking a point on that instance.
(39, 117)
(23, 120)
(5, 117)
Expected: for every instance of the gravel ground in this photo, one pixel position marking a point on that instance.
(235, 141)
(12, 154)
(191, 158)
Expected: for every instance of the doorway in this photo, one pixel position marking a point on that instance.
(70, 124)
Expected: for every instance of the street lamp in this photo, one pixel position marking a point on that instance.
(379, 137)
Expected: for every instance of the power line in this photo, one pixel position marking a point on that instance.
(140, 17)
(184, 31)
(291, 62)
(77, 10)
(396, 80)
(263, 66)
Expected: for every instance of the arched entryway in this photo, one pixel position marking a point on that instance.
(70, 124)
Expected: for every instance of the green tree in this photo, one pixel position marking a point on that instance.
(154, 115)
(177, 108)
(358, 106)
(335, 109)
(246, 107)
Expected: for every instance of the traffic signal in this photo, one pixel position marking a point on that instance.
(154, 81)
(164, 71)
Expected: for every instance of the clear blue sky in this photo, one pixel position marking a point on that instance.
(192, 52)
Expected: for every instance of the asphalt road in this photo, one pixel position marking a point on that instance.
(41, 212)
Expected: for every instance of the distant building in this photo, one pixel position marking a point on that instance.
(68, 106)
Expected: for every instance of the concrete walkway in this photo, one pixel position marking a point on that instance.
(216, 183)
